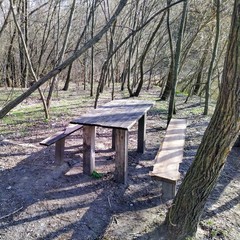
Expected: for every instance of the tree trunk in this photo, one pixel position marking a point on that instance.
(62, 52)
(143, 56)
(28, 61)
(83, 34)
(171, 107)
(168, 87)
(200, 68)
(210, 70)
(183, 217)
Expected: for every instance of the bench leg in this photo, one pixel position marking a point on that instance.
(141, 134)
(168, 190)
(121, 159)
(89, 133)
(59, 151)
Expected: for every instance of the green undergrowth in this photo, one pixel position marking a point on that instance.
(66, 105)
(96, 175)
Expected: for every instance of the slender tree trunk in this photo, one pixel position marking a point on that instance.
(168, 86)
(105, 66)
(171, 107)
(140, 84)
(201, 68)
(10, 59)
(6, 20)
(92, 52)
(83, 34)
(62, 51)
(210, 70)
(24, 29)
(28, 61)
(184, 215)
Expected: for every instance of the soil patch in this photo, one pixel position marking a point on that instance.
(39, 200)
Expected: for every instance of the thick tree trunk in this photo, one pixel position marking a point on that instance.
(184, 215)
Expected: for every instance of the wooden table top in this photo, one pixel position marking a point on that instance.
(122, 114)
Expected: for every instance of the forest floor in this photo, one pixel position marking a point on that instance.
(39, 200)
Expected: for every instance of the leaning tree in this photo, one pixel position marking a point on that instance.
(184, 214)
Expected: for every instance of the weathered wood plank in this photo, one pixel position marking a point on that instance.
(71, 128)
(89, 133)
(116, 114)
(169, 156)
(121, 159)
(170, 153)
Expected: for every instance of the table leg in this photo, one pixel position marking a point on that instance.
(121, 160)
(113, 138)
(89, 133)
(141, 134)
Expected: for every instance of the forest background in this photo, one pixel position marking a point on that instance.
(122, 45)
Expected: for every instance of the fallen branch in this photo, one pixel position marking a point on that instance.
(12, 213)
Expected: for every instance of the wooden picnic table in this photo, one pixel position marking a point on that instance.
(120, 115)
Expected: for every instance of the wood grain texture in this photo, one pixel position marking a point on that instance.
(71, 128)
(170, 154)
(59, 151)
(121, 114)
(121, 159)
(89, 133)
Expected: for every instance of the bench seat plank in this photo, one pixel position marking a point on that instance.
(59, 140)
(71, 128)
(170, 155)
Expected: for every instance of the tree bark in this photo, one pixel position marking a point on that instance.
(168, 87)
(62, 52)
(214, 53)
(143, 56)
(183, 217)
(171, 107)
(83, 34)
(28, 60)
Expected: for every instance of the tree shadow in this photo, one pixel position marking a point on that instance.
(38, 199)
(230, 172)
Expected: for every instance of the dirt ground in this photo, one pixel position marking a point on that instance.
(39, 200)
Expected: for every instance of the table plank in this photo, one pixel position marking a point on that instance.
(121, 114)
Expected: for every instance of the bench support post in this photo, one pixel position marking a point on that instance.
(59, 151)
(168, 190)
(121, 165)
(88, 149)
(141, 134)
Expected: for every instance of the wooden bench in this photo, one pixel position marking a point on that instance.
(59, 140)
(169, 157)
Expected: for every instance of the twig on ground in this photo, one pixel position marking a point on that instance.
(109, 202)
(12, 213)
